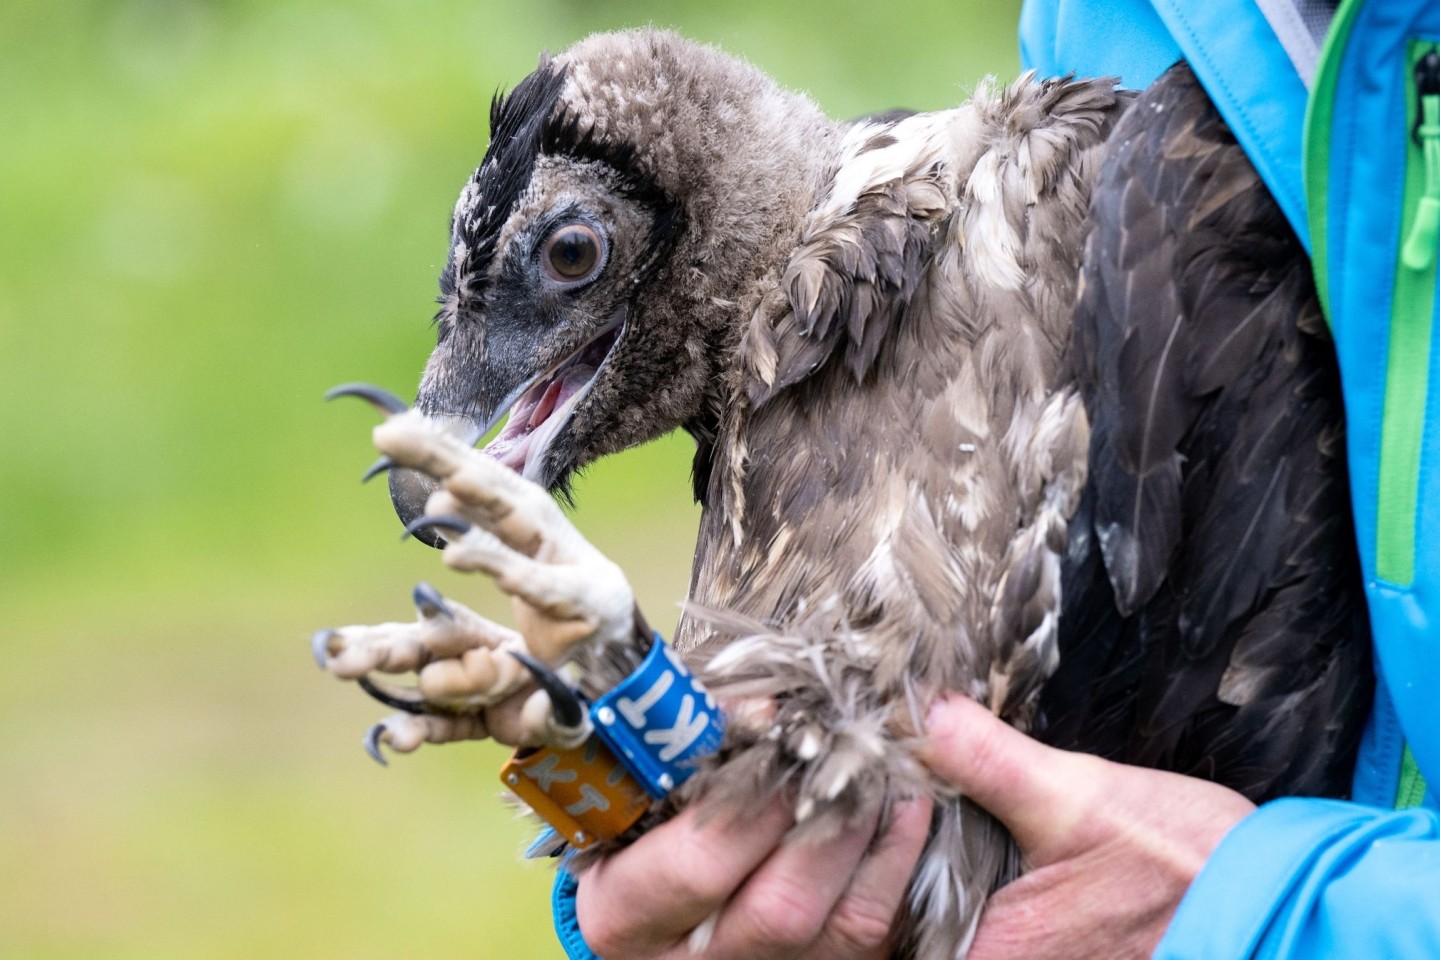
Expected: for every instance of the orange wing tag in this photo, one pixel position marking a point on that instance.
(583, 792)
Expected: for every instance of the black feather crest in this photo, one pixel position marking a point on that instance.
(518, 124)
(527, 123)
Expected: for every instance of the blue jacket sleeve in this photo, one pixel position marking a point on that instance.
(1110, 38)
(1316, 878)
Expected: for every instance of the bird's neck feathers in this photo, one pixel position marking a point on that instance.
(743, 158)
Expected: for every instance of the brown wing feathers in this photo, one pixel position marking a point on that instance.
(1218, 501)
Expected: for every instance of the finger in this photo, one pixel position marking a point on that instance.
(861, 925)
(783, 907)
(1038, 792)
(649, 896)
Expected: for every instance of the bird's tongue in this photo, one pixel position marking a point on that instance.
(533, 419)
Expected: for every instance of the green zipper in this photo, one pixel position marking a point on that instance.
(1419, 252)
(1408, 365)
(1315, 162)
(1411, 791)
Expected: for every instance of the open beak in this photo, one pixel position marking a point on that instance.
(547, 403)
(537, 409)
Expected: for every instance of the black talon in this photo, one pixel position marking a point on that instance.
(392, 696)
(320, 647)
(429, 601)
(383, 400)
(569, 711)
(453, 524)
(377, 468)
(372, 744)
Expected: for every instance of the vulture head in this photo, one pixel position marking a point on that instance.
(635, 190)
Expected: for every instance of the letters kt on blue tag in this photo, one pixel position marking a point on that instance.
(659, 721)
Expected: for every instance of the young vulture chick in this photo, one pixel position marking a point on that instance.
(871, 331)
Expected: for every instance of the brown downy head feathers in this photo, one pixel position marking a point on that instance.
(692, 170)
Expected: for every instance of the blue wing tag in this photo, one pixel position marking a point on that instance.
(659, 721)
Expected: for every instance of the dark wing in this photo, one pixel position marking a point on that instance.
(1214, 620)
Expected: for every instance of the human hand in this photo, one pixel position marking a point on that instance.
(775, 901)
(1109, 849)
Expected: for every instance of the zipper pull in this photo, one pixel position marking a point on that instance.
(1419, 249)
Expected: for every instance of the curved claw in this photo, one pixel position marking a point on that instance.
(429, 602)
(392, 696)
(569, 711)
(377, 468)
(382, 400)
(320, 647)
(373, 739)
(453, 524)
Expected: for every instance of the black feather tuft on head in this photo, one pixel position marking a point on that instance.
(525, 124)
(518, 126)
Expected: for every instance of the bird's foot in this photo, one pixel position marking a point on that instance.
(497, 522)
(405, 732)
(444, 632)
(477, 678)
(474, 679)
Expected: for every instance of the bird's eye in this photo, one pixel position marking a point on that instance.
(573, 253)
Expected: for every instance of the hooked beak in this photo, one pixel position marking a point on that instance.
(409, 489)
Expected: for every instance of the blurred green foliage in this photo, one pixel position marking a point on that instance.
(210, 212)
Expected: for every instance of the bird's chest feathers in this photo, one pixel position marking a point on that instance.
(890, 502)
(906, 432)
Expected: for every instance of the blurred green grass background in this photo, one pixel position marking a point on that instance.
(210, 212)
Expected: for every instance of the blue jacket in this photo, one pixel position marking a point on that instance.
(1316, 878)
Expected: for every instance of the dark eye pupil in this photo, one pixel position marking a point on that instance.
(573, 253)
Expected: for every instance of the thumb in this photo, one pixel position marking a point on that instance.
(1038, 792)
